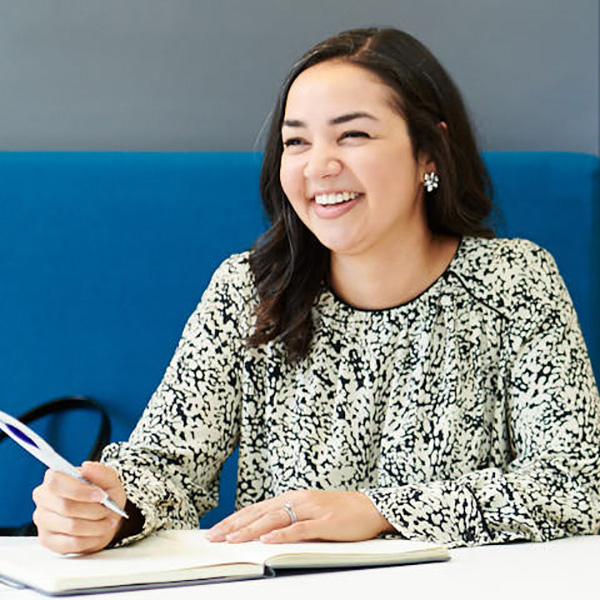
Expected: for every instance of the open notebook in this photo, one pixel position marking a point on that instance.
(186, 557)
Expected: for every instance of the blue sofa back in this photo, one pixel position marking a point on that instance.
(104, 255)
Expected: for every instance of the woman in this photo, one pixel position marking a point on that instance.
(384, 364)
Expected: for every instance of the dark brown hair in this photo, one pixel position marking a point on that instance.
(288, 262)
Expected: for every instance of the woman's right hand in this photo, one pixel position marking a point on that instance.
(68, 513)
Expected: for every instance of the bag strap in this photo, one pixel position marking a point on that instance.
(58, 406)
(68, 403)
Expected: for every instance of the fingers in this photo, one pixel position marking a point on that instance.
(68, 513)
(67, 544)
(73, 526)
(58, 486)
(251, 522)
(103, 476)
(299, 532)
(70, 506)
(270, 521)
(321, 515)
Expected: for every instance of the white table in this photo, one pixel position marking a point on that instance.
(568, 568)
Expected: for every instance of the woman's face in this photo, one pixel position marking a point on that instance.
(348, 167)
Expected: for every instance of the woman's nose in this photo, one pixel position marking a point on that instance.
(322, 163)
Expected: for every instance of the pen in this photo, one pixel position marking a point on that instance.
(38, 447)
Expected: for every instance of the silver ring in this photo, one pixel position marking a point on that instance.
(291, 513)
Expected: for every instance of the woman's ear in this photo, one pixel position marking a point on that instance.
(427, 165)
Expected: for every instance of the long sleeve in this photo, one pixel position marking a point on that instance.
(468, 415)
(551, 487)
(170, 466)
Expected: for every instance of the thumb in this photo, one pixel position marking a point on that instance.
(99, 474)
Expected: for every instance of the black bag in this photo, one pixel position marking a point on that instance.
(58, 406)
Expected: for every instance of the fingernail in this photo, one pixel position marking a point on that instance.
(97, 495)
(268, 537)
(233, 536)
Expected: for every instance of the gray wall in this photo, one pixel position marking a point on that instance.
(200, 75)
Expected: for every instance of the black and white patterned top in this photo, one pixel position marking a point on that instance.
(468, 415)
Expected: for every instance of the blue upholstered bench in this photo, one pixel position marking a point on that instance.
(104, 255)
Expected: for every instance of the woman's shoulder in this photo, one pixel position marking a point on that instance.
(515, 255)
(227, 302)
(231, 285)
(509, 274)
(235, 270)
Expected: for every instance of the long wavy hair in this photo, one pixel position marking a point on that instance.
(288, 262)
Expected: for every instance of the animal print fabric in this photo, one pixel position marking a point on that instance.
(468, 415)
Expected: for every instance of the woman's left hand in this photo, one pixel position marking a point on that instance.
(319, 515)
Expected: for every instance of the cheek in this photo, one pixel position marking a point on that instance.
(291, 179)
(393, 174)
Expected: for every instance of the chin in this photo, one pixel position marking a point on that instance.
(336, 247)
(338, 242)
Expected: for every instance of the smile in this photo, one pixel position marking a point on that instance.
(335, 198)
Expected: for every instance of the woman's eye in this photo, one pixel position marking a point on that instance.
(355, 134)
(293, 142)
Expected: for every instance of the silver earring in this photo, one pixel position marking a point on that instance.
(431, 181)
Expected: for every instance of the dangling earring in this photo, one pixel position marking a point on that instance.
(431, 181)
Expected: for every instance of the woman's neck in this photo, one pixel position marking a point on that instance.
(376, 281)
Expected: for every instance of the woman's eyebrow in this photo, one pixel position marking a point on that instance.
(335, 121)
(350, 117)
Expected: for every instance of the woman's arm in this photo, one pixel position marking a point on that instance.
(171, 465)
(552, 487)
(168, 472)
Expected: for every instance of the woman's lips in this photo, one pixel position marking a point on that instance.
(332, 211)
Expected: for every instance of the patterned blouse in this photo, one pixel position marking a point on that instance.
(468, 415)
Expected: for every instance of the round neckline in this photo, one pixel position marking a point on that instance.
(329, 291)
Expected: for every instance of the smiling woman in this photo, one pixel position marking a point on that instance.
(394, 108)
(350, 173)
(366, 156)
(384, 364)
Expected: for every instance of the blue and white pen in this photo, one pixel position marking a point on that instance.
(38, 447)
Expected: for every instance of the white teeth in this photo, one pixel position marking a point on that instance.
(327, 199)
